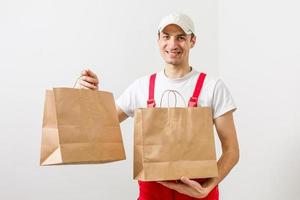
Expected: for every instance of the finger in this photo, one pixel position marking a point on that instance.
(90, 80)
(87, 84)
(191, 183)
(90, 73)
(83, 87)
(84, 72)
(181, 188)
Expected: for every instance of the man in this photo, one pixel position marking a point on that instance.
(176, 36)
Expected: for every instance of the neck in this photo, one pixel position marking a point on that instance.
(178, 71)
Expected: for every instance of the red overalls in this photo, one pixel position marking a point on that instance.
(151, 190)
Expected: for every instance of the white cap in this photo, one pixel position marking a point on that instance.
(182, 20)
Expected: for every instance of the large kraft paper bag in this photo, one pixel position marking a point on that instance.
(173, 142)
(80, 126)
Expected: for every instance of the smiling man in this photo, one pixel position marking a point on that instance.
(176, 37)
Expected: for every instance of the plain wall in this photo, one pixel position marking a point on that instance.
(45, 44)
(259, 51)
(252, 45)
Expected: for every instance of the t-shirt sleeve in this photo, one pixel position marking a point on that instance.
(127, 100)
(222, 101)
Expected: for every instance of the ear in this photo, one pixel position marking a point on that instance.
(193, 41)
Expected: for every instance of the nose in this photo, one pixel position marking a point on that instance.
(173, 43)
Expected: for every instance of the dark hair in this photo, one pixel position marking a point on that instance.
(192, 35)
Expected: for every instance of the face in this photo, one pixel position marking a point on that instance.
(175, 44)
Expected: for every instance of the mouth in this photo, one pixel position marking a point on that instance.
(173, 53)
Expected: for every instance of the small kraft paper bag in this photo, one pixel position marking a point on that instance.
(80, 126)
(173, 142)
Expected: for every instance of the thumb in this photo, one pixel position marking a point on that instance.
(84, 72)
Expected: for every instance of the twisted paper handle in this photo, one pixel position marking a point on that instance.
(174, 93)
(76, 81)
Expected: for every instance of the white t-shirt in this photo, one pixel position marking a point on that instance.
(214, 93)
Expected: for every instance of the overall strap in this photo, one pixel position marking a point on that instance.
(194, 99)
(151, 101)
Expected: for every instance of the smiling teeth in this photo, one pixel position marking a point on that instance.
(173, 52)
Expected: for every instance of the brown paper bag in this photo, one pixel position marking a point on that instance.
(173, 142)
(80, 126)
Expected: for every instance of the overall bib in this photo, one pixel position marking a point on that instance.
(151, 190)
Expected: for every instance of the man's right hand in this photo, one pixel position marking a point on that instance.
(89, 80)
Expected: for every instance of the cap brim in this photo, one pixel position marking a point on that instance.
(163, 26)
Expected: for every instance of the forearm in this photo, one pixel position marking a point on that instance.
(230, 148)
(227, 161)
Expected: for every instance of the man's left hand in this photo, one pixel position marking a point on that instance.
(188, 187)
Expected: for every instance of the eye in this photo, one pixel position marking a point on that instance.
(181, 38)
(165, 37)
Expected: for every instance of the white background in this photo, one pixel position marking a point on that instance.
(253, 45)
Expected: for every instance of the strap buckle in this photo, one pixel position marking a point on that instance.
(151, 103)
(193, 102)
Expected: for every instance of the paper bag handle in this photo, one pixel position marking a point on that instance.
(76, 81)
(174, 93)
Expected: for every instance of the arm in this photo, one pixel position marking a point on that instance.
(230, 148)
(89, 80)
(230, 156)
